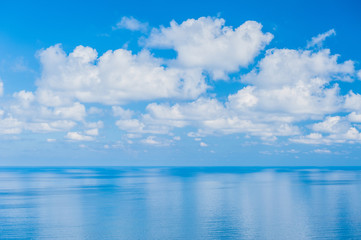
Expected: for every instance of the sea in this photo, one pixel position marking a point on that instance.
(180, 203)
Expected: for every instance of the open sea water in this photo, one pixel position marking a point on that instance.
(180, 203)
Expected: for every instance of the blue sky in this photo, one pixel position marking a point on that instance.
(186, 83)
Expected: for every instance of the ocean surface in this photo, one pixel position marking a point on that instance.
(180, 203)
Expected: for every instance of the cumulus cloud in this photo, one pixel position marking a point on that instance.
(331, 125)
(114, 78)
(151, 140)
(333, 129)
(132, 24)
(287, 86)
(354, 117)
(320, 38)
(208, 44)
(353, 101)
(203, 144)
(92, 132)
(75, 136)
(10, 125)
(289, 93)
(298, 82)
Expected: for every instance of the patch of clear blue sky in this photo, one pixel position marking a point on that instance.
(27, 26)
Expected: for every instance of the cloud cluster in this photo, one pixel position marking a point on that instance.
(208, 44)
(289, 93)
(285, 88)
(117, 77)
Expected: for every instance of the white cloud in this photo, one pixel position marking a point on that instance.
(354, 117)
(76, 112)
(353, 101)
(208, 44)
(52, 126)
(298, 82)
(132, 24)
(151, 140)
(134, 135)
(203, 144)
(331, 125)
(286, 88)
(122, 113)
(334, 130)
(130, 125)
(25, 98)
(312, 138)
(75, 136)
(116, 77)
(95, 110)
(98, 124)
(51, 140)
(92, 132)
(323, 151)
(320, 38)
(10, 125)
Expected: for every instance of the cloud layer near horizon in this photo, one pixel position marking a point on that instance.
(288, 93)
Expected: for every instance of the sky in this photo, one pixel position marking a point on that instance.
(187, 83)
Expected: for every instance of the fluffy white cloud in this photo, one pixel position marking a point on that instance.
(354, 117)
(116, 77)
(10, 125)
(130, 125)
(353, 101)
(288, 67)
(335, 129)
(132, 24)
(203, 144)
(286, 88)
(208, 44)
(151, 140)
(298, 82)
(331, 125)
(75, 136)
(291, 93)
(76, 112)
(98, 124)
(92, 132)
(320, 38)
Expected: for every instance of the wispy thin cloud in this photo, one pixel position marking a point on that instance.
(320, 38)
(131, 24)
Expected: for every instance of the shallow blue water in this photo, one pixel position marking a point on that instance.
(180, 203)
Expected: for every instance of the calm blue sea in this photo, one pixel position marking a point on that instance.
(180, 203)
